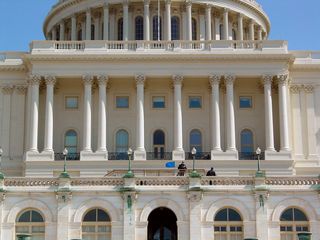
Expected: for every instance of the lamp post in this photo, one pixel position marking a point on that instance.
(129, 174)
(65, 174)
(1, 174)
(259, 173)
(194, 173)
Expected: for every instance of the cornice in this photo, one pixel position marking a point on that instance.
(13, 68)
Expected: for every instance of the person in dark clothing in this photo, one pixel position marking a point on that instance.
(182, 168)
(211, 172)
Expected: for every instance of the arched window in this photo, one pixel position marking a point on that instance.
(194, 29)
(139, 28)
(221, 31)
(293, 221)
(31, 222)
(158, 144)
(92, 32)
(157, 28)
(175, 28)
(120, 29)
(247, 141)
(96, 225)
(71, 141)
(196, 140)
(228, 225)
(122, 141)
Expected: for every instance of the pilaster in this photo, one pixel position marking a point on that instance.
(195, 206)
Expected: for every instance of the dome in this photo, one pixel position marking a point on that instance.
(138, 20)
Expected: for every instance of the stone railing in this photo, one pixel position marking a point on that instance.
(31, 182)
(292, 181)
(42, 47)
(227, 181)
(306, 54)
(110, 181)
(162, 181)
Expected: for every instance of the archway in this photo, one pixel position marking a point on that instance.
(162, 225)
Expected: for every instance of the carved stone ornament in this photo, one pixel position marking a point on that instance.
(283, 79)
(103, 79)
(7, 89)
(308, 88)
(188, 3)
(87, 79)
(195, 196)
(261, 197)
(140, 79)
(214, 79)
(21, 89)
(2, 196)
(177, 79)
(63, 196)
(229, 79)
(34, 79)
(267, 79)
(295, 89)
(50, 80)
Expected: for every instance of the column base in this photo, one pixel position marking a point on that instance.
(96, 156)
(228, 155)
(313, 157)
(36, 156)
(282, 155)
(140, 155)
(178, 155)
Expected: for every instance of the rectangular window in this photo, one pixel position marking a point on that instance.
(122, 102)
(195, 102)
(245, 102)
(72, 102)
(158, 102)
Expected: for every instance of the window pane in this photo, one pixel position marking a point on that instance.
(103, 216)
(71, 102)
(158, 138)
(122, 102)
(234, 216)
(287, 215)
(122, 141)
(195, 137)
(89, 229)
(91, 216)
(38, 229)
(299, 215)
(245, 102)
(221, 215)
(36, 217)
(158, 102)
(120, 29)
(139, 28)
(175, 28)
(194, 102)
(157, 34)
(25, 217)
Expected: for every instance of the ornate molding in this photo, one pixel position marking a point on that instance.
(195, 196)
(229, 79)
(87, 79)
(177, 79)
(50, 80)
(283, 79)
(63, 197)
(295, 89)
(7, 89)
(261, 197)
(103, 79)
(188, 3)
(140, 79)
(214, 79)
(267, 79)
(308, 88)
(34, 79)
(21, 89)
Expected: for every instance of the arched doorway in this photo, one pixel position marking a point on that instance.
(158, 144)
(162, 225)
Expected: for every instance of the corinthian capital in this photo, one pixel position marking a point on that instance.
(267, 79)
(140, 79)
(34, 79)
(21, 89)
(50, 80)
(87, 79)
(283, 79)
(7, 89)
(177, 79)
(308, 88)
(214, 79)
(229, 79)
(103, 79)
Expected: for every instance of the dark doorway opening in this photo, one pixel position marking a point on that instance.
(162, 225)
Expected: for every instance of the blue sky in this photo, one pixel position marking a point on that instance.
(293, 20)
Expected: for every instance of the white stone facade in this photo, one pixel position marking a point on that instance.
(213, 82)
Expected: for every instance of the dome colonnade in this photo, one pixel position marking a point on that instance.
(134, 20)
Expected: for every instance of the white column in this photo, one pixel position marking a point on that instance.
(102, 122)
(262, 215)
(215, 112)
(311, 122)
(168, 19)
(62, 216)
(88, 24)
(96, 28)
(208, 22)
(240, 27)
(83, 30)
(54, 34)
(6, 105)
(189, 20)
(48, 134)
(112, 25)
(195, 207)
(34, 81)
(251, 30)
(267, 81)
(231, 134)
(259, 33)
(140, 152)
(106, 21)
(125, 6)
(146, 24)
(61, 31)
(283, 113)
(87, 81)
(225, 24)
(178, 152)
(217, 28)
(73, 28)
(129, 216)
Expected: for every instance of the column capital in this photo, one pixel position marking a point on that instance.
(208, 7)
(267, 79)
(295, 89)
(50, 79)
(88, 11)
(7, 89)
(308, 88)
(214, 79)
(103, 79)
(61, 22)
(240, 16)
(229, 79)
(140, 79)
(226, 10)
(21, 89)
(34, 79)
(188, 3)
(106, 4)
(283, 79)
(168, 1)
(125, 2)
(177, 79)
(87, 79)
(146, 2)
